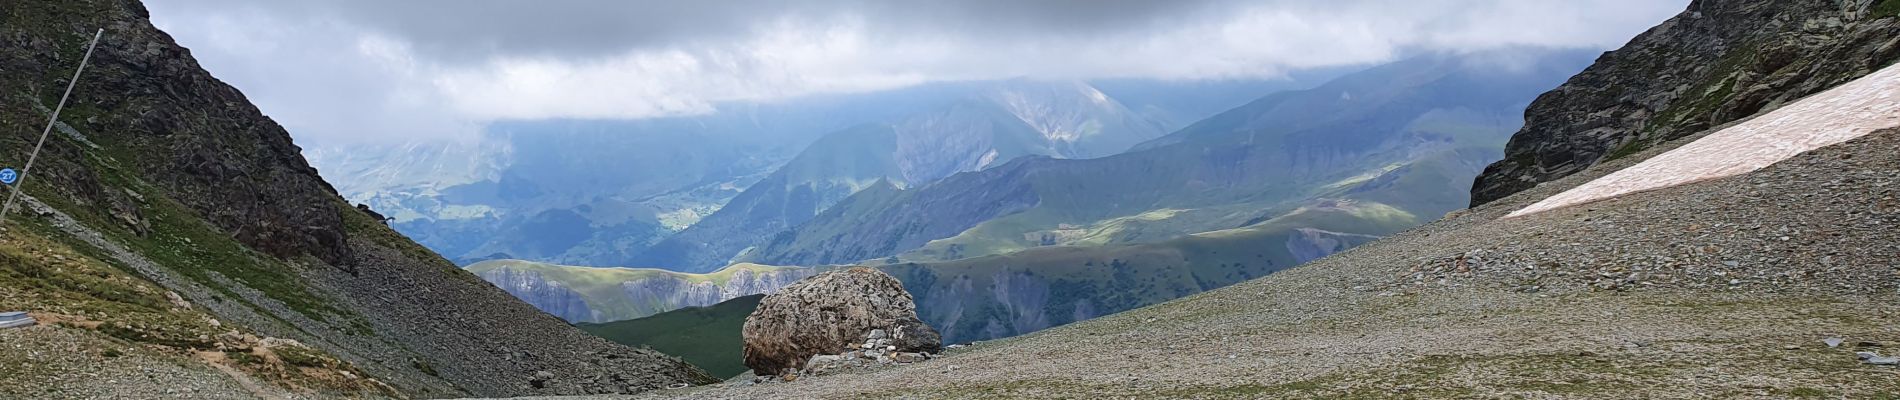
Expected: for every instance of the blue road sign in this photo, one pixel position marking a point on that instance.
(8, 176)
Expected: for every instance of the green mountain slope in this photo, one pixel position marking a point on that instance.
(589, 294)
(172, 178)
(708, 337)
(1439, 114)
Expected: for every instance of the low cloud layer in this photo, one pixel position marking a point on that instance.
(352, 70)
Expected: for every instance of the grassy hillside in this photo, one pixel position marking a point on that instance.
(708, 337)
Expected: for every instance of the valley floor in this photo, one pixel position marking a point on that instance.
(1725, 288)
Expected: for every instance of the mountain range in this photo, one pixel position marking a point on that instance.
(1041, 241)
(1422, 120)
(602, 192)
(1775, 277)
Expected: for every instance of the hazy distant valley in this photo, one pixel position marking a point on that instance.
(996, 224)
(604, 193)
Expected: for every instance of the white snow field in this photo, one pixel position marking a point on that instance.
(1837, 115)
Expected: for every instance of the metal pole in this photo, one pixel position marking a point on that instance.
(20, 183)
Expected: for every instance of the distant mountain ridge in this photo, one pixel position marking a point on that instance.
(1004, 121)
(598, 192)
(1242, 166)
(1394, 146)
(588, 294)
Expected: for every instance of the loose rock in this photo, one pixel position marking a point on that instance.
(831, 313)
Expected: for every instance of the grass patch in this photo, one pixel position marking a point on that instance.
(1628, 149)
(302, 357)
(708, 337)
(244, 357)
(1887, 8)
(424, 367)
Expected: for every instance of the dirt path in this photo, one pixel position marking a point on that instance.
(217, 361)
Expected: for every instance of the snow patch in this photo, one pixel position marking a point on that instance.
(1840, 114)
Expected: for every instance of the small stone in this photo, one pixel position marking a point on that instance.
(1791, 347)
(1883, 361)
(890, 348)
(907, 357)
(1833, 342)
(822, 360)
(875, 334)
(1867, 344)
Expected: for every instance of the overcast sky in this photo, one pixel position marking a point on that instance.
(346, 70)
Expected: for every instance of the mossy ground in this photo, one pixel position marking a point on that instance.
(116, 313)
(1887, 8)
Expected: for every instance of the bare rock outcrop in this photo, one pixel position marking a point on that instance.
(831, 313)
(1717, 62)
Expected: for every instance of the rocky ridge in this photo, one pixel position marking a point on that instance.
(164, 171)
(1717, 62)
(591, 294)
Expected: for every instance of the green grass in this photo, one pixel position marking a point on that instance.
(708, 337)
(302, 357)
(179, 238)
(1889, 8)
(43, 275)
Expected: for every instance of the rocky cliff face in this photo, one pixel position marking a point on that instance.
(164, 170)
(1717, 62)
(590, 294)
(670, 293)
(551, 296)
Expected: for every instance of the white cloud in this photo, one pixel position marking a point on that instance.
(343, 76)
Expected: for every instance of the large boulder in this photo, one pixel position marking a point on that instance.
(832, 313)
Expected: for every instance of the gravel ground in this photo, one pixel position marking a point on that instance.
(1725, 288)
(43, 362)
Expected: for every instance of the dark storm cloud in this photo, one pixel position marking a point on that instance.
(464, 30)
